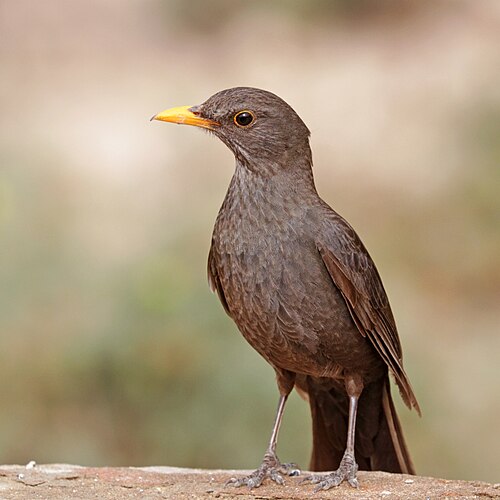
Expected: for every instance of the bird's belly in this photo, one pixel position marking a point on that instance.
(287, 307)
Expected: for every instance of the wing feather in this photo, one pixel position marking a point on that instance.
(355, 275)
(214, 280)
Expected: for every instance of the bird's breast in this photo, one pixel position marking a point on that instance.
(254, 244)
(279, 292)
(267, 266)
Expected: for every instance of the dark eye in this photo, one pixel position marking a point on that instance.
(244, 118)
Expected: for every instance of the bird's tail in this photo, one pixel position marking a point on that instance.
(379, 441)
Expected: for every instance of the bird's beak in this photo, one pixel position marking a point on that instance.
(184, 115)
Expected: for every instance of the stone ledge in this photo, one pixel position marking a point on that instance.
(58, 481)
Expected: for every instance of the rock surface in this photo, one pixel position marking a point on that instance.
(150, 483)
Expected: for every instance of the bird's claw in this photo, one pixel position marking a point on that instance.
(346, 472)
(271, 468)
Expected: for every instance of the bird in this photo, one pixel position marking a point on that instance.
(304, 292)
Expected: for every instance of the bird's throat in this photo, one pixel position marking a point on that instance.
(263, 198)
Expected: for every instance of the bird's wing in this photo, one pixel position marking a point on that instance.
(355, 275)
(214, 280)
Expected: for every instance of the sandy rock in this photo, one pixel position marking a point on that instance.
(58, 481)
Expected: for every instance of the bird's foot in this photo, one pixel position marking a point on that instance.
(346, 472)
(271, 467)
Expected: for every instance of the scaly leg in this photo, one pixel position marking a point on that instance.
(348, 467)
(271, 467)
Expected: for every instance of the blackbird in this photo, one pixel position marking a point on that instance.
(304, 292)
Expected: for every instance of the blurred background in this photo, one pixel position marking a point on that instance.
(112, 349)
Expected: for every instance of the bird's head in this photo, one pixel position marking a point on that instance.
(260, 128)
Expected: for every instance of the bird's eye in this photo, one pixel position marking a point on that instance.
(244, 118)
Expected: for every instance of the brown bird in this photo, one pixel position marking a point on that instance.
(302, 289)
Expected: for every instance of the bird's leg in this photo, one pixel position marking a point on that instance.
(348, 467)
(271, 467)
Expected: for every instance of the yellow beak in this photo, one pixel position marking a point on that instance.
(184, 116)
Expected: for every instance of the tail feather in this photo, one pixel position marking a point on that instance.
(329, 417)
(379, 443)
(391, 422)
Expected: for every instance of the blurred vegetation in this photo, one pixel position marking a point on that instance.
(112, 349)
